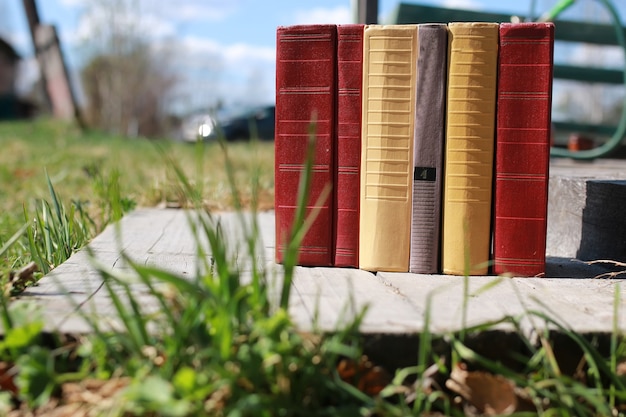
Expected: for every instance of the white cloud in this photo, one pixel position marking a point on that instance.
(155, 19)
(463, 4)
(339, 14)
(235, 54)
(200, 10)
(187, 10)
(234, 73)
(73, 3)
(241, 52)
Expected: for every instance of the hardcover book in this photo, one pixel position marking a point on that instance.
(469, 148)
(348, 153)
(428, 153)
(306, 84)
(389, 64)
(523, 148)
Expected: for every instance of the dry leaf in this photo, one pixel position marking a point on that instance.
(18, 280)
(490, 394)
(6, 378)
(367, 377)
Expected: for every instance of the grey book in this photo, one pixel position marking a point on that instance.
(428, 148)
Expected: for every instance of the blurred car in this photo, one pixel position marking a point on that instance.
(257, 123)
(198, 127)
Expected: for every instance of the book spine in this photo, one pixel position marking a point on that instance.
(523, 148)
(306, 83)
(389, 66)
(428, 153)
(348, 153)
(469, 148)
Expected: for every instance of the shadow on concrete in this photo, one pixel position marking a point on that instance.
(557, 267)
(603, 231)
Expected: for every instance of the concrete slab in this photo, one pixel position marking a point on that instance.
(586, 219)
(74, 294)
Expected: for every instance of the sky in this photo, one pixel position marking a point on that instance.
(221, 50)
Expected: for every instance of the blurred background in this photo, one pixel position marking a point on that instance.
(158, 68)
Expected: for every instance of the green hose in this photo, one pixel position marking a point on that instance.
(612, 144)
(556, 10)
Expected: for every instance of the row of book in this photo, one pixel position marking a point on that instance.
(434, 137)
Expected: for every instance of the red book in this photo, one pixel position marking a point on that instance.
(523, 148)
(348, 155)
(306, 84)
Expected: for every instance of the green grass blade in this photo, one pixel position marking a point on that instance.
(13, 239)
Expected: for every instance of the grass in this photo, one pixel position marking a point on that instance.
(43, 163)
(221, 345)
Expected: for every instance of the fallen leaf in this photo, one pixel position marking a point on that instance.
(18, 280)
(490, 394)
(6, 378)
(364, 375)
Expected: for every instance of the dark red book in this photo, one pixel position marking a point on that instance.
(523, 147)
(306, 85)
(348, 154)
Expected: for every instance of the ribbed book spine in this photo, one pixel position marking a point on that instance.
(348, 153)
(523, 148)
(306, 84)
(428, 152)
(469, 149)
(389, 64)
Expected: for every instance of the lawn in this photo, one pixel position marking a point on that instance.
(220, 346)
(83, 167)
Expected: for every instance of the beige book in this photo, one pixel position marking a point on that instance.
(389, 77)
(469, 149)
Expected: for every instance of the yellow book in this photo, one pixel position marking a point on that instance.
(389, 76)
(470, 138)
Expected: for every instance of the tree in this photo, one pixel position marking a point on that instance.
(126, 80)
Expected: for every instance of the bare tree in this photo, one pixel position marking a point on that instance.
(127, 81)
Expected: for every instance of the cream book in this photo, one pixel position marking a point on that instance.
(389, 86)
(469, 148)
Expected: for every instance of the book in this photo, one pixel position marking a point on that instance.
(428, 152)
(469, 147)
(523, 148)
(389, 65)
(348, 152)
(306, 84)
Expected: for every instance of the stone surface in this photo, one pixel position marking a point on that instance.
(574, 187)
(77, 294)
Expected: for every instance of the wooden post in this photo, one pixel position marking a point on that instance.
(367, 11)
(55, 73)
(32, 15)
(58, 92)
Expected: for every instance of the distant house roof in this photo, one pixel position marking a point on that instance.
(7, 50)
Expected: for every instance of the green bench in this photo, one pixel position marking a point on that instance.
(568, 31)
